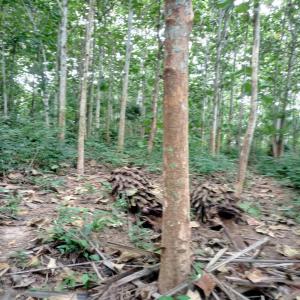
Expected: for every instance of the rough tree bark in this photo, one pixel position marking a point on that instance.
(216, 100)
(176, 252)
(4, 88)
(121, 133)
(63, 71)
(84, 86)
(155, 94)
(244, 154)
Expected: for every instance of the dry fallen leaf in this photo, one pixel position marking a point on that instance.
(255, 275)
(194, 295)
(288, 251)
(253, 222)
(127, 256)
(206, 283)
(64, 297)
(194, 224)
(33, 262)
(52, 264)
(3, 266)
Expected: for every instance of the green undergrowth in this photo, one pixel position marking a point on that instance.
(29, 144)
(285, 169)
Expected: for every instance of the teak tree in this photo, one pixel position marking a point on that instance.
(84, 86)
(176, 253)
(244, 155)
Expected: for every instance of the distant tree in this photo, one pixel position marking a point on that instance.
(244, 154)
(83, 87)
(63, 70)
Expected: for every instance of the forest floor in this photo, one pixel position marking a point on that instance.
(64, 237)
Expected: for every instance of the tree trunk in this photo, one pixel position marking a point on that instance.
(98, 98)
(216, 100)
(176, 253)
(230, 116)
(45, 91)
(121, 134)
(203, 110)
(109, 111)
(244, 154)
(278, 145)
(84, 86)
(4, 87)
(155, 94)
(63, 71)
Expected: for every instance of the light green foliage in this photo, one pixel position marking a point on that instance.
(141, 237)
(253, 209)
(73, 227)
(292, 210)
(10, 204)
(286, 168)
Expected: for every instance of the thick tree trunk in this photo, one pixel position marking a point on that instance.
(63, 71)
(155, 94)
(84, 86)
(176, 253)
(121, 134)
(4, 87)
(217, 81)
(244, 154)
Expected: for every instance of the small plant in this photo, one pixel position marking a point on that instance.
(20, 257)
(141, 236)
(11, 204)
(293, 211)
(48, 183)
(197, 270)
(252, 209)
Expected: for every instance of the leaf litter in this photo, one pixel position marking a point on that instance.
(96, 257)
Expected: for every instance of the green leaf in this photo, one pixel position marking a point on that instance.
(165, 298)
(247, 87)
(183, 298)
(85, 278)
(224, 3)
(242, 8)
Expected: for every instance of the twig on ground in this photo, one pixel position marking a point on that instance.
(238, 254)
(47, 269)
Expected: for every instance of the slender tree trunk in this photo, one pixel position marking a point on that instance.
(109, 111)
(155, 94)
(244, 155)
(176, 253)
(121, 135)
(84, 86)
(203, 110)
(278, 147)
(216, 100)
(141, 99)
(63, 71)
(230, 116)
(4, 87)
(98, 98)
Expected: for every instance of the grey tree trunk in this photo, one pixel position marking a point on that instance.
(244, 154)
(216, 100)
(45, 91)
(84, 86)
(98, 97)
(155, 94)
(121, 134)
(4, 87)
(63, 71)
